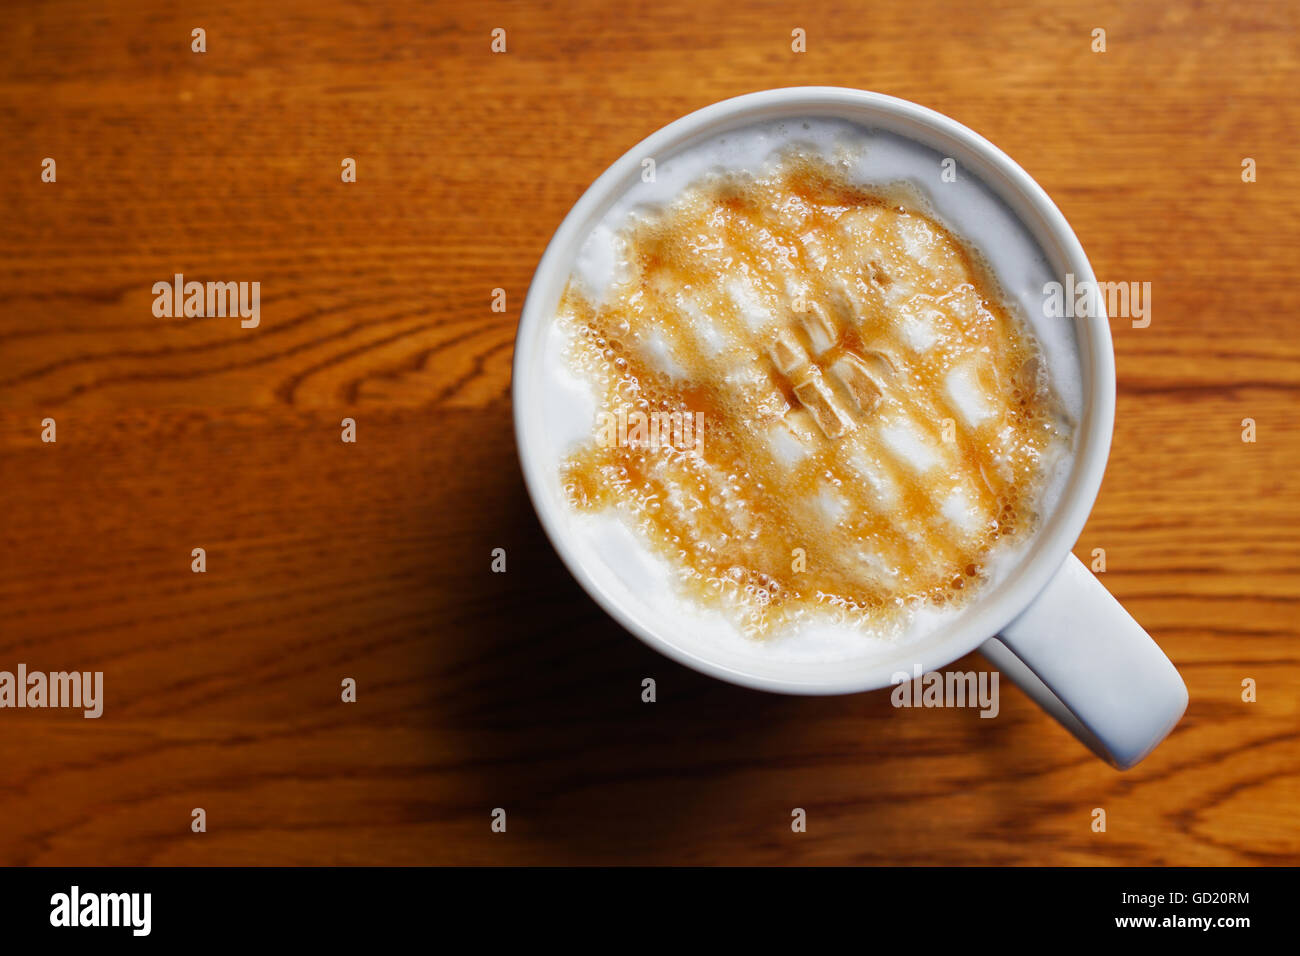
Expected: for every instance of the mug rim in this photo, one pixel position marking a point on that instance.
(1003, 176)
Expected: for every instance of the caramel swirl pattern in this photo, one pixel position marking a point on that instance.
(876, 421)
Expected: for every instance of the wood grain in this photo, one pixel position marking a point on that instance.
(371, 560)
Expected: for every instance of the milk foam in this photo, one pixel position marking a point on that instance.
(866, 157)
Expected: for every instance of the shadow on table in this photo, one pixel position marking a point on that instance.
(545, 708)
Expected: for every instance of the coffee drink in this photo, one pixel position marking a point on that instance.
(814, 401)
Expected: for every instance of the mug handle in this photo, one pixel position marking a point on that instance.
(1084, 659)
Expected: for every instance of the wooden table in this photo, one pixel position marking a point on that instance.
(327, 560)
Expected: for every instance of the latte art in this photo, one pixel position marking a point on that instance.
(876, 421)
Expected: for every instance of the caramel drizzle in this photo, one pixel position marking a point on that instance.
(808, 283)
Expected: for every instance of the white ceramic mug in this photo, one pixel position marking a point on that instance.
(1059, 634)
